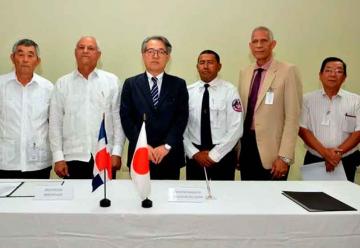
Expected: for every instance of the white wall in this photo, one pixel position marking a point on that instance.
(307, 31)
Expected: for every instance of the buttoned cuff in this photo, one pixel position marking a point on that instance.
(191, 151)
(58, 156)
(117, 150)
(214, 155)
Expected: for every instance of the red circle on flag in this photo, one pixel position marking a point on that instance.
(141, 161)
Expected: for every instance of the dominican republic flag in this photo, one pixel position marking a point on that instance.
(102, 159)
(140, 172)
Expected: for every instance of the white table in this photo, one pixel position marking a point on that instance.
(244, 214)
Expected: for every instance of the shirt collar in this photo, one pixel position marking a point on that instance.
(215, 82)
(339, 94)
(159, 77)
(265, 66)
(94, 73)
(35, 78)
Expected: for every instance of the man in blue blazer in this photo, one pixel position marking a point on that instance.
(163, 100)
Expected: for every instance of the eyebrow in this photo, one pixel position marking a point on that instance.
(335, 67)
(22, 51)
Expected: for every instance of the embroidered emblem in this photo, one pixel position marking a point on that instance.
(236, 105)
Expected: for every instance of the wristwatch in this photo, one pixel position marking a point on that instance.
(167, 147)
(286, 160)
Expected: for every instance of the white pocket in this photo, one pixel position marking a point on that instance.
(217, 113)
(349, 123)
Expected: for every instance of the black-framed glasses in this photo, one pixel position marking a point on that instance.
(152, 52)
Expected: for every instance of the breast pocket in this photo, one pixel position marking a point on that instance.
(40, 108)
(73, 109)
(73, 104)
(11, 106)
(349, 123)
(217, 113)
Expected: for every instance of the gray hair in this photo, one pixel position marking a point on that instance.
(266, 29)
(27, 43)
(165, 41)
(91, 37)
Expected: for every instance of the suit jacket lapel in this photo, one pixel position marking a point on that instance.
(164, 91)
(247, 86)
(269, 77)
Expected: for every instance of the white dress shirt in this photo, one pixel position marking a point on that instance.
(76, 111)
(331, 120)
(159, 81)
(24, 115)
(226, 118)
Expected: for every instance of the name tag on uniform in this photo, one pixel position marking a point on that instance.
(33, 152)
(269, 98)
(326, 119)
(325, 122)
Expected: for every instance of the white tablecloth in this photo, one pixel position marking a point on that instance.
(244, 214)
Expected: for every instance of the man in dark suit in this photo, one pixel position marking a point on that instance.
(163, 99)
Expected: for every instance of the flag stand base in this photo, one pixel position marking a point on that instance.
(104, 203)
(147, 203)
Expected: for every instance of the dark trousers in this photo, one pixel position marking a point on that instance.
(223, 170)
(350, 163)
(250, 162)
(83, 170)
(164, 171)
(80, 170)
(38, 174)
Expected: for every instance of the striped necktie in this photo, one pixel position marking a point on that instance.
(155, 91)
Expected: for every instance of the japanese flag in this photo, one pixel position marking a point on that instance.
(140, 171)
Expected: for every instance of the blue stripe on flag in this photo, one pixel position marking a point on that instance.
(96, 182)
(102, 132)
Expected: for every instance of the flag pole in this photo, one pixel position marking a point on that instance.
(147, 203)
(209, 196)
(104, 203)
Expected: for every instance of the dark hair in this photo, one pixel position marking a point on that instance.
(27, 43)
(217, 57)
(332, 59)
(165, 41)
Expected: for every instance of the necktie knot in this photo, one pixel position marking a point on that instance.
(206, 86)
(154, 80)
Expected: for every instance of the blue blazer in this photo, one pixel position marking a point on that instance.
(165, 124)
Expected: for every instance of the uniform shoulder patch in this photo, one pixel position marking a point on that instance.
(236, 105)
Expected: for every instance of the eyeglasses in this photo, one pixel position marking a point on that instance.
(152, 52)
(331, 71)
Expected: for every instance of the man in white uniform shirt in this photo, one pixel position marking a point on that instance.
(330, 121)
(78, 104)
(24, 112)
(215, 123)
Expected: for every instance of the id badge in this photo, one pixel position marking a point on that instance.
(269, 98)
(326, 119)
(325, 122)
(33, 152)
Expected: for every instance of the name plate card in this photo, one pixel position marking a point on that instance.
(186, 195)
(54, 193)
